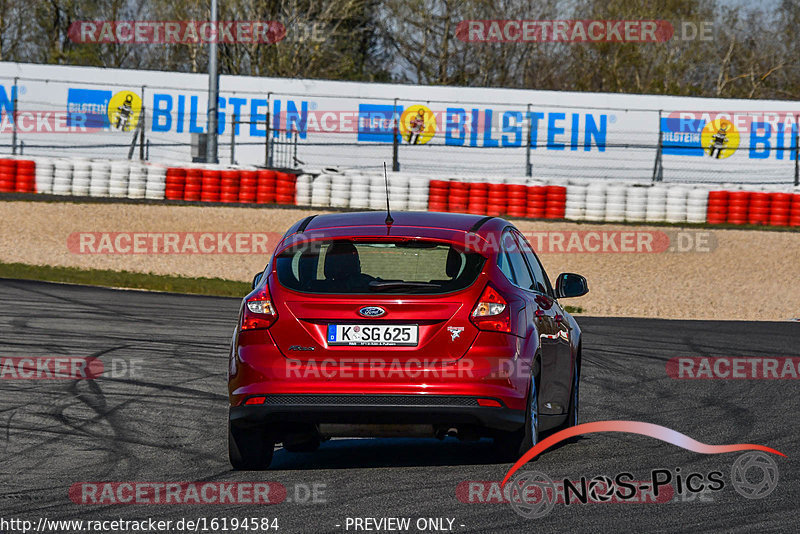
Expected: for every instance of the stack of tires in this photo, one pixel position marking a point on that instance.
(100, 178)
(137, 181)
(794, 212)
(81, 177)
(229, 186)
(248, 186)
(497, 200)
(517, 200)
(321, 190)
(340, 191)
(398, 192)
(62, 177)
(156, 184)
(537, 201)
(595, 209)
(656, 208)
(478, 200)
(8, 175)
(738, 206)
(359, 192)
(417, 193)
(697, 205)
(636, 203)
(211, 185)
(780, 206)
(193, 188)
(556, 202)
(438, 193)
(303, 189)
(717, 210)
(285, 187)
(458, 197)
(118, 179)
(26, 176)
(45, 168)
(175, 183)
(265, 188)
(576, 202)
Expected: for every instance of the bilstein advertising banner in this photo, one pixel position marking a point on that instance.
(94, 112)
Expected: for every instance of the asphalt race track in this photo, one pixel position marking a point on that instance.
(166, 421)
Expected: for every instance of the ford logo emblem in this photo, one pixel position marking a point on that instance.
(371, 311)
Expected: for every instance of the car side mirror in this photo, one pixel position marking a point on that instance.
(571, 285)
(257, 279)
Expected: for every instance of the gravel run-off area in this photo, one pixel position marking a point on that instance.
(665, 272)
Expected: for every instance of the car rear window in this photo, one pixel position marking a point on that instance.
(397, 267)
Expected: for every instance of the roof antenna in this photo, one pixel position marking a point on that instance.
(389, 219)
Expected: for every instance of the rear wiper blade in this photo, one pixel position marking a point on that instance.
(388, 285)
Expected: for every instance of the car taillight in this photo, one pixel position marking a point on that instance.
(258, 311)
(491, 312)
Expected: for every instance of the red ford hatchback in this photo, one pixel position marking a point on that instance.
(431, 324)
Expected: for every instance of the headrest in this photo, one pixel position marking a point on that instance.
(341, 261)
(453, 263)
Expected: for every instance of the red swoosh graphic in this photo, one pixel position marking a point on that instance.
(633, 427)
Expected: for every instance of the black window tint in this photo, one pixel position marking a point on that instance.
(505, 266)
(515, 257)
(541, 282)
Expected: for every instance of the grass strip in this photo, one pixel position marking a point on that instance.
(125, 279)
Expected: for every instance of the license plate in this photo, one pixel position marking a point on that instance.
(372, 335)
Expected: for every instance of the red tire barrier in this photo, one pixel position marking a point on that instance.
(26, 176)
(194, 185)
(758, 208)
(537, 202)
(8, 175)
(211, 186)
(458, 197)
(780, 208)
(517, 200)
(794, 212)
(248, 186)
(265, 191)
(478, 198)
(229, 185)
(438, 191)
(497, 203)
(738, 204)
(285, 188)
(717, 209)
(556, 202)
(175, 185)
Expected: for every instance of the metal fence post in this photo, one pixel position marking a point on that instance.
(528, 167)
(797, 151)
(233, 139)
(14, 115)
(267, 152)
(658, 166)
(141, 125)
(395, 143)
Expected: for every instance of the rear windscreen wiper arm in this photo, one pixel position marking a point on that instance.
(380, 285)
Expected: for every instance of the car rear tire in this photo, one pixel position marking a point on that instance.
(249, 449)
(512, 445)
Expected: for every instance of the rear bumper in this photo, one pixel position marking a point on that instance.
(377, 409)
